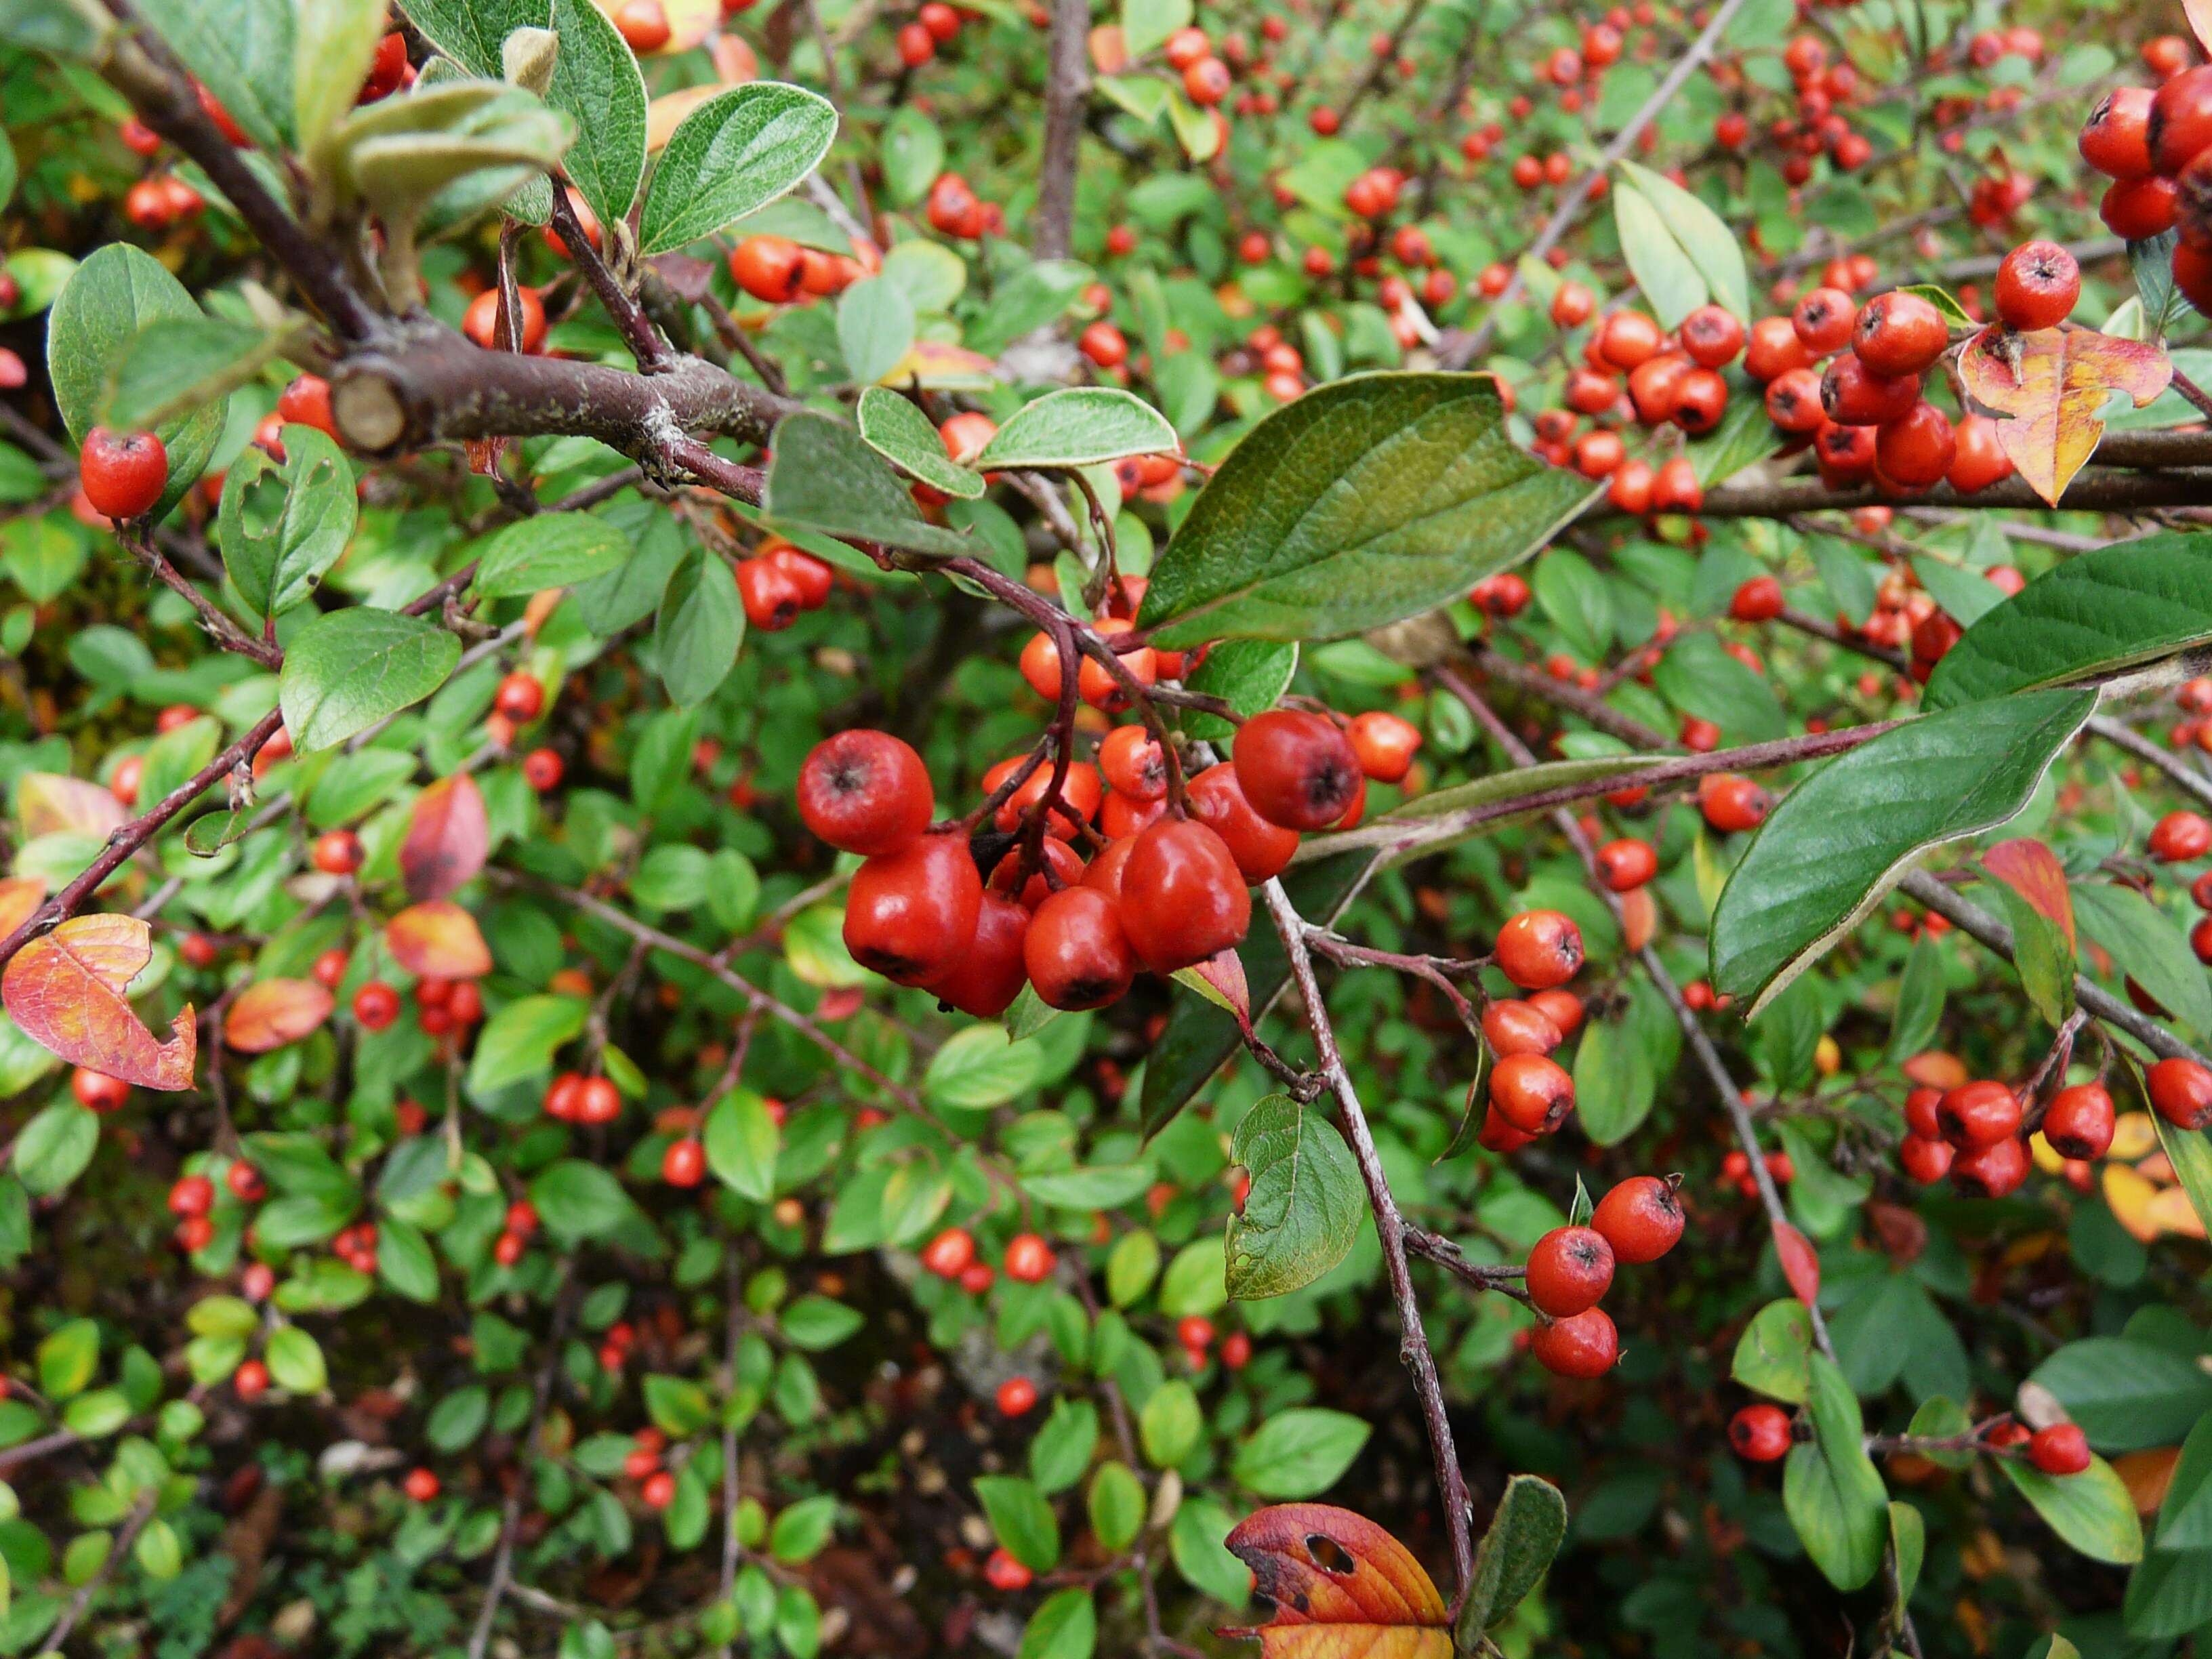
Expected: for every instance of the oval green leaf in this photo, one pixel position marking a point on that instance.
(736, 152)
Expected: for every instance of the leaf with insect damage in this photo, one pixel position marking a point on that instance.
(1342, 1587)
(2051, 387)
(64, 992)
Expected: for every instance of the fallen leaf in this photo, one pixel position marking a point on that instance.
(19, 896)
(271, 1013)
(2051, 387)
(447, 838)
(47, 803)
(1800, 1265)
(1342, 1587)
(2032, 871)
(438, 940)
(65, 991)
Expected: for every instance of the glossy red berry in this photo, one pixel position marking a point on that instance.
(337, 852)
(2037, 286)
(1899, 333)
(1627, 864)
(1584, 1346)
(769, 268)
(2060, 1450)
(1385, 744)
(1539, 949)
(1570, 1269)
(2179, 127)
(2181, 836)
(2079, 1123)
(1991, 1171)
(2181, 1092)
(772, 598)
(1297, 769)
(123, 474)
(1713, 336)
(1925, 1158)
(1977, 1114)
(1760, 1433)
(1017, 1395)
(376, 1004)
(1823, 320)
(684, 1163)
(2116, 138)
(949, 1253)
(1640, 1217)
(421, 1485)
(1515, 1027)
(542, 769)
(1076, 952)
(1915, 449)
(909, 914)
(866, 792)
(250, 1380)
(1184, 898)
(520, 697)
(985, 978)
(1131, 762)
(1261, 849)
(1758, 600)
(1002, 1572)
(1531, 1092)
(1029, 1260)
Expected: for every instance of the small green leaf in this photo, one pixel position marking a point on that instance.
(825, 477)
(737, 151)
(902, 435)
(178, 367)
(701, 625)
(875, 328)
(550, 550)
(295, 1360)
(1304, 1206)
(1524, 1535)
(1064, 1627)
(1703, 236)
(742, 1142)
(1021, 1519)
(1079, 426)
(1670, 279)
(1298, 1452)
(346, 671)
(521, 1040)
(596, 81)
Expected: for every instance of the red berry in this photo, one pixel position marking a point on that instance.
(542, 769)
(1712, 335)
(2062, 1449)
(1585, 1345)
(250, 1380)
(1977, 1114)
(97, 1091)
(192, 1195)
(421, 1485)
(989, 974)
(1183, 896)
(909, 914)
(1760, 1433)
(1899, 334)
(1925, 1158)
(1297, 769)
(866, 792)
(1003, 1572)
(337, 852)
(1990, 1171)
(2181, 1092)
(1539, 949)
(769, 268)
(949, 1253)
(684, 1163)
(773, 600)
(376, 1004)
(1078, 954)
(1029, 1259)
(1757, 600)
(659, 1490)
(1626, 865)
(1515, 1027)
(1640, 1217)
(1823, 320)
(1569, 1269)
(1016, 1396)
(1531, 1092)
(2116, 138)
(2037, 286)
(1385, 744)
(2079, 1123)
(1915, 449)
(1261, 848)
(123, 474)
(520, 697)
(2179, 127)
(2180, 836)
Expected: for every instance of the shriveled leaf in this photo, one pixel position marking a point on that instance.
(271, 1013)
(438, 940)
(448, 837)
(1304, 1206)
(1367, 501)
(2052, 386)
(2091, 616)
(64, 992)
(1842, 839)
(1341, 1586)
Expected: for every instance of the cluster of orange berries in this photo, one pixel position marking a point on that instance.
(193, 1199)
(443, 1007)
(2156, 148)
(1973, 1133)
(1571, 1268)
(783, 272)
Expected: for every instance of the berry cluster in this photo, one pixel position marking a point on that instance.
(1571, 1269)
(2156, 148)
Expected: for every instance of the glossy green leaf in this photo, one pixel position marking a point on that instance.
(1832, 1493)
(1298, 1452)
(1304, 1206)
(902, 435)
(521, 1040)
(1841, 840)
(1364, 501)
(1022, 1518)
(742, 1141)
(177, 367)
(2127, 1394)
(1064, 1627)
(739, 149)
(2089, 618)
(347, 670)
(471, 32)
(2091, 1510)
(1773, 1354)
(550, 549)
(2148, 946)
(701, 625)
(1079, 426)
(2190, 1151)
(283, 524)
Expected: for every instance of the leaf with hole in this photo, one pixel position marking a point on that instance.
(64, 990)
(2049, 388)
(283, 524)
(1339, 1585)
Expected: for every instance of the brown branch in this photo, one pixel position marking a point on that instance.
(636, 329)
(2095, 489)
(1067, 85)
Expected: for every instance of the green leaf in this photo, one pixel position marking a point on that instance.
(875, 328)
(1304, 1206)
(1908, 1544)
(980, 1066)
(2089, 618)
(912, 151)
(2169, 1595)
(1966, 595)
(471, 32)
(346, 671)
(596, 80)
(1170, 1424)
(1525, 1534)
(177, 367)
(736, 152)
(1919, 999)
(1036, 295)
(1196, 1539)
(1021, 1519)
(1079, 426)
(1670, 279)
(404, 1262)
(551, 550)
(815, 1322)
(1298, 1452)
(1574, 596)
(803, 1528)
(678, 1407)
(742, 1142)
(243, 52)
(521, 1040)
(579, 1200)
(1098, 1186)
(335, 46)
(2185, 1517)
(701, 625)
(1702, 234)
(2091, 1510)
(54, 1148)
(1061, 1451)
(400, 153)
(892, 427)
(1842, 839)
(1250, 675)
(1616, 1083)
(68, 1358)
(1146, 24)
(1115, 1504)
(825, 477)
(1773, 1355)
(1832, 1491)
(295, 1361)
(1700, 678)
(2127, 1394)
(1064, 1627)
(2149, 948)
(107, 301)
(1367, 501)
(2041, 955)
(283, 523)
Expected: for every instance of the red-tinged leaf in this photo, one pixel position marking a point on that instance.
(2052, 387)
(47, 802)
(1224, 972)
(446, 838)
(273, 1012)
(19, 896)
(2032, 871)
(65, 991)
(1342, 1587)
(1800, 1265)
(438, 940)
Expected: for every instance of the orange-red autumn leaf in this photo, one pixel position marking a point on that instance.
(271, 1013)
(447, 838)
(47, 802)
(1342, 1587)
(1800, 1265)
(19, 896)
(2032, 871)
(65, 991)
(438, 940)
(2052, 386)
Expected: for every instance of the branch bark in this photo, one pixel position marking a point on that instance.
(1068, 84)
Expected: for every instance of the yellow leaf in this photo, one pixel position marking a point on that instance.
(2050, 387)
